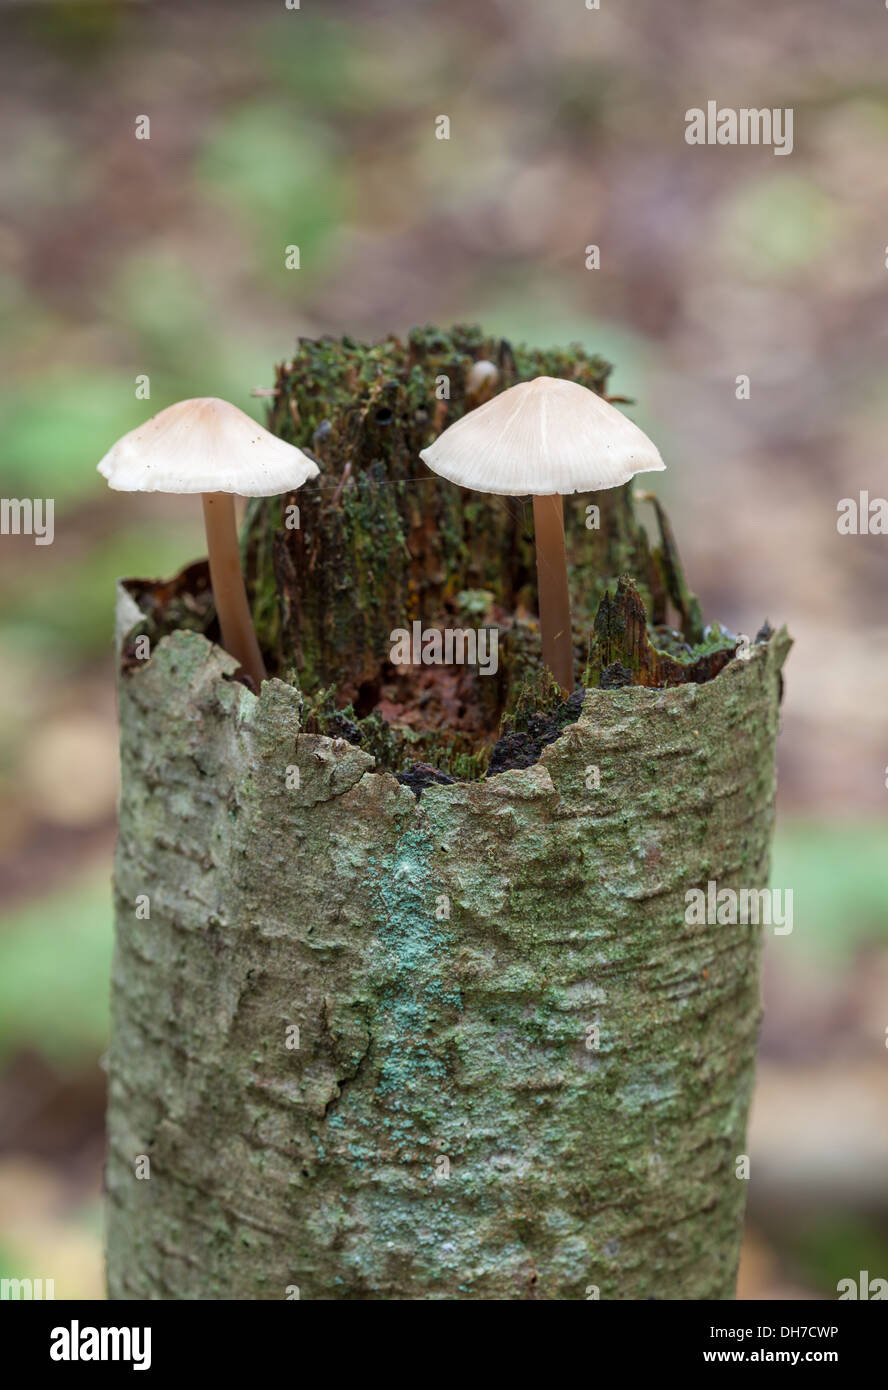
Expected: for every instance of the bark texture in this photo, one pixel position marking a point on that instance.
(432, 1042)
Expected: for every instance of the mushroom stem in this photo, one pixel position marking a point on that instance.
(555, 625)
(235, 619)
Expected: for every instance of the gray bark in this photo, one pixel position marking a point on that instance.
(431, 1042)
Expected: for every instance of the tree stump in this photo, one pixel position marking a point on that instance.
(386, 1033)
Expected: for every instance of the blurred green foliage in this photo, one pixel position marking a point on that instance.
(51, 426)
(71, 612)
(772, 226)
(832, 1247)
(839, 877)
(55, 963)
(278, 175)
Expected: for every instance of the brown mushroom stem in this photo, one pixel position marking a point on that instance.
(235, 619)
(555, 625)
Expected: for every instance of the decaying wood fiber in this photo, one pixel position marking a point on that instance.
(431, 1041)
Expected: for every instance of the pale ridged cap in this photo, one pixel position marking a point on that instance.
(205, 445)
(540, 437)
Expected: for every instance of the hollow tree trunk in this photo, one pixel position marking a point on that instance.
(451, 1124)
(388, 1034)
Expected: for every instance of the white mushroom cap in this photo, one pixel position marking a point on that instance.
(205, 445)
(481, 377)
(540, 437)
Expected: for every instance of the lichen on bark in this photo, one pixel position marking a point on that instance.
(423, 1038)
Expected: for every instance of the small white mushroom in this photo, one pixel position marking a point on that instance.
(544, 438)
(209, 446)
(482, 380)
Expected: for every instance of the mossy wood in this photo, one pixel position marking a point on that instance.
(378, 541)
(382, 540)
(520, 1072)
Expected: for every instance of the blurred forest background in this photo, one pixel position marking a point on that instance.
(165, 257)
